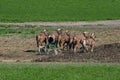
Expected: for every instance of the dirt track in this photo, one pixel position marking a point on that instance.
(106, 23)
(15, 49)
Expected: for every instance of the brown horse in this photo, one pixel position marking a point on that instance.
(54, 37)
(41, 40)
(89, 42)
(64, 40)
(78, 40)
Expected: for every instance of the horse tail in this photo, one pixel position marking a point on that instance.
(37, 40)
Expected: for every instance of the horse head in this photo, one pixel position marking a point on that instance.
(45, 32)
(86, 34)
(59, 31)
(93, 36)
(67, 32)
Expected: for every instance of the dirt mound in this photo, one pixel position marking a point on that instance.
(103, 53)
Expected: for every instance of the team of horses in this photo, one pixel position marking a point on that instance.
(65, 40)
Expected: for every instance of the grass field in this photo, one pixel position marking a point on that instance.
(31, 31)
(59, 71)
(58, 10)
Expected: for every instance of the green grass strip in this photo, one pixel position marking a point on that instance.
(59, 71)
(58, 10)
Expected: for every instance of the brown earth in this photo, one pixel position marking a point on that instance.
(102, 53)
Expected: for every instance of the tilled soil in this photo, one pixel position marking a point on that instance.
(102, 53)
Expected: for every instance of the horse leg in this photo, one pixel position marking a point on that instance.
(87, 48)
(92, 47)
(45, 49)
(84, 46)
(62, 45)
(39, 50)
(57, 44)
(75, 48)
(68, 47)
(72, 46)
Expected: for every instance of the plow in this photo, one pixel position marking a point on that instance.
(50, 49)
